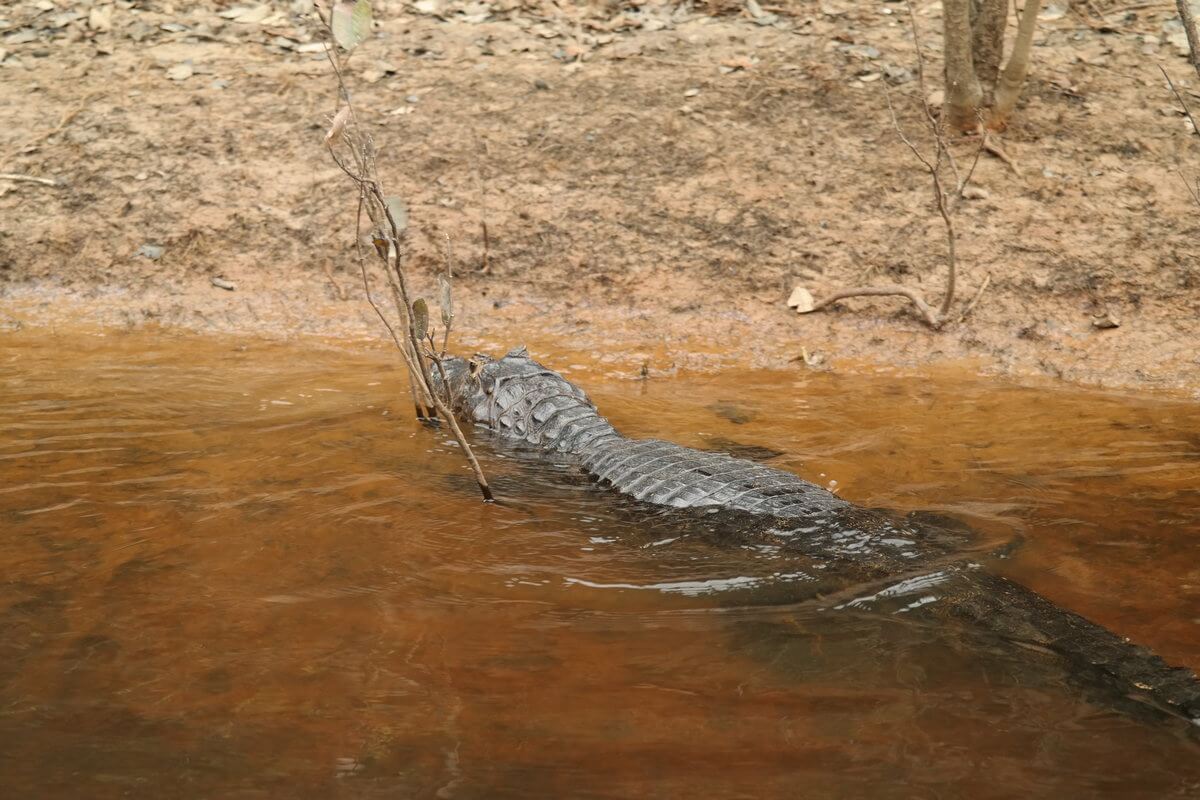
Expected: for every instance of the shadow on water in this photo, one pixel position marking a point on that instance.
(238, 569)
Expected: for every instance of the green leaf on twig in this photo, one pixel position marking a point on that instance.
(420, 317)
(398, 211)
(352, 23)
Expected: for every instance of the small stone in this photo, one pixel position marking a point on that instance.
(413, 99)
(975, 193)
(151, 251)
(21, 37)
(181, 72)
(100, 18)
(221, 283)
(897, 75)
(691, 92)
(538, 83)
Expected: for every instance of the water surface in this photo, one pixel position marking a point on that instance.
(238, 569)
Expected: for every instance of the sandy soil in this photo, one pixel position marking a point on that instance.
(654, 181)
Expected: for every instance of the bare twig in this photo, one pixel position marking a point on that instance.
(448, 415)
(418, 405)
(1194, 191)
(388, 238)
(975, 300)
(1179, 97)
(942, 156)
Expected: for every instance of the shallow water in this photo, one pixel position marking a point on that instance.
(237, 569)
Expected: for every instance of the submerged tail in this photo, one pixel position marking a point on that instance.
(1093, 654)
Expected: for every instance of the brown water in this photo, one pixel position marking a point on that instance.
(235, 569)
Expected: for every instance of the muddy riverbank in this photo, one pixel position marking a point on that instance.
(654, 181)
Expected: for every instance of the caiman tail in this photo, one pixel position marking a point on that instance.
(1019, 614)
(1110, 665)
(525, 403)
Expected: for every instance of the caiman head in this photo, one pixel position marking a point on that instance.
(513, 395)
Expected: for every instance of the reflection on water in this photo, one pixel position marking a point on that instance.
(237, 569)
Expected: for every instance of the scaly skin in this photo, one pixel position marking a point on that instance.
(522, 401)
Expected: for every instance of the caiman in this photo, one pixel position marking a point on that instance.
(900, 564)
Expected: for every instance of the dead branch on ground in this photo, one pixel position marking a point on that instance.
(353, 151)
(17, 177)
(946, 202)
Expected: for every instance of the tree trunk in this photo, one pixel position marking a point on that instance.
(963, 94)
(988, 21)
(1008, 89)
(1189, 29)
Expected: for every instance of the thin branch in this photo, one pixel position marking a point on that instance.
(1194, 192)
(962, 185)
(1179, 97)
(362, 264)
(942, 155)
(975, 300)
(900, 131)
(389, 244)
(444, 410)
(939, 196)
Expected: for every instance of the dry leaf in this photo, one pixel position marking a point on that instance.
(445, 300)
(801, 300)
(339, 124)
(420, 317)
(399, 211)
(736, 63)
